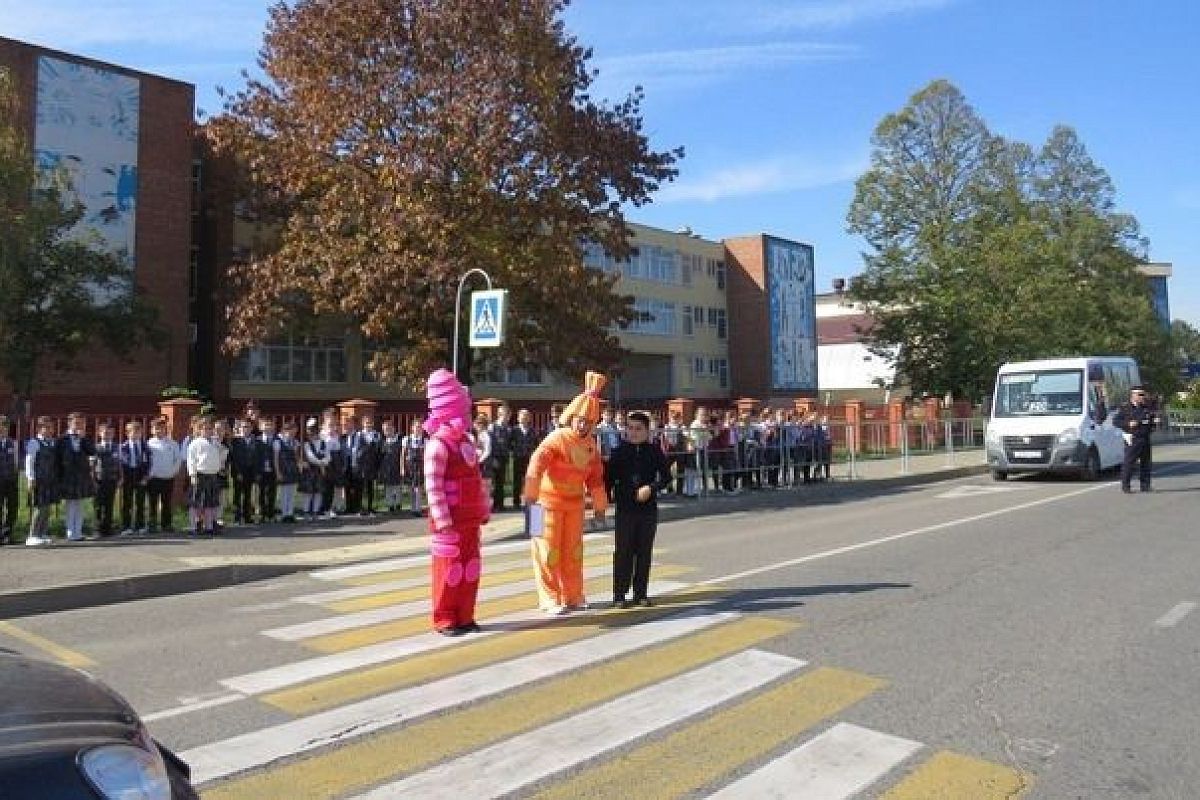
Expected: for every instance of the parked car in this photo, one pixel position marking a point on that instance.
(64, 735)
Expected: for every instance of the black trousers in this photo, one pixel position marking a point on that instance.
(133, 498)
(631, 560)
(267, 486)
(106, 495)
(1139, 451)
(8, 506)
(520, 467)
(499, 474)
(354, 487)
(158, 497)
(367, 500)
(243, 497)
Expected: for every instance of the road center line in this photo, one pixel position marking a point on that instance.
(940, 526)
(1175, 615)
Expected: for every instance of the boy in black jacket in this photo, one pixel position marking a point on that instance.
(635, 473)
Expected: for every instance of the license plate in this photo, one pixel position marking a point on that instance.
(1027, 454)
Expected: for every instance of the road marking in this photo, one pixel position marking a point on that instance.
(895, 537)
(510, 764)
(371, 760)
(392, 564)
(65, 655)
(264, 746)
(1175, 615)
(320, 695)
(700, 754)
(949, 774)
(188, 708)
(490, 578)
(484, 611)
(837, 764)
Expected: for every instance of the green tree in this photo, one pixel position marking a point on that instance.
(400, 143)
(1186, 340)
(983, 250)
(62, 295)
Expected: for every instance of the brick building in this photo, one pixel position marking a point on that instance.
(126, 138)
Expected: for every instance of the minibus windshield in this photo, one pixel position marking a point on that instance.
(1039, 393)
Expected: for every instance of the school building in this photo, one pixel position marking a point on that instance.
(125, 138)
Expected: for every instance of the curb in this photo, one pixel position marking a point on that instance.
(51, 599)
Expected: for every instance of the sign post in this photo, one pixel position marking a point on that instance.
(487, 316)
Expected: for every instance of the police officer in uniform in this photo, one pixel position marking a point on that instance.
(1136, 420)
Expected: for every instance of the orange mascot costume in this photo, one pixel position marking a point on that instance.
(565, 465)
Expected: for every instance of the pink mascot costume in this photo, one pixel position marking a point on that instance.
(458, 504)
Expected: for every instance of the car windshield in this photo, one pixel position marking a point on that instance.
(1040, 393)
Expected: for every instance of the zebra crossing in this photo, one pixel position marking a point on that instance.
(682, 699)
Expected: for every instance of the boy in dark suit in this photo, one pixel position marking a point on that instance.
(135, 469)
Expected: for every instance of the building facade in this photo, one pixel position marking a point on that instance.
(125, 139)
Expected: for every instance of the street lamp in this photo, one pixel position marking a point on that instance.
(458, 312)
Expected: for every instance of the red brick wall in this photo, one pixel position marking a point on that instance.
(749, 318)
(163, 242)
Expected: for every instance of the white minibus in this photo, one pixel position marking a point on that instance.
(1055, 415)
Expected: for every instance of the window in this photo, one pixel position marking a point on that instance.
(698, 366)
(653, 263)
(723, 372)
(194, 273)
(698, 314)
(688, 373)
(688, 327)
(197, 175)
(712, 317)
(722, 325)
(595, 256)
(659, 317)
(720, 274)
(293, 359)
(493, 371)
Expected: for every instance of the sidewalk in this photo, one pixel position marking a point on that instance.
(64, 577)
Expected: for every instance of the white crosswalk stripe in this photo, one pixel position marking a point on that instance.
(358, 719)
(838, 764)
(511, 764)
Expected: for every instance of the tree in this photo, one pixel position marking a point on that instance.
(1187, 341)
(983, 250)
(399, 143)
(62, 294)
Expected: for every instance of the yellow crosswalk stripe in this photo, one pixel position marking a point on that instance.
(506, 561)
(953, 776)
(331, 692)
(370, 761)
(410, 626)
(698, 755)
(494, 578)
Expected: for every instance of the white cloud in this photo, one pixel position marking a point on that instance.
(704, 65)
(827, 14)
(74, 24)
(781, 174)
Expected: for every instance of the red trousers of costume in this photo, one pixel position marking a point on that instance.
(455, 577)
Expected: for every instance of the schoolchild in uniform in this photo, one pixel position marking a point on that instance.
(770, 455)
(204, 457)
(807, 446)
(607, 434)
(333, 496)
(135, 471)
(314, 463)
(824, 439)
(165, 461)
(500, 432)
(266, 448)
(674, 444)
(221, 437)
(75, 452)
(107, 473)
(483, 447)
(287, 469)
(413, 461)
(41, 473)
(700, 435)
(365, 464)
(9, 472)
(243, 460)
(634, 475)
(390, 466)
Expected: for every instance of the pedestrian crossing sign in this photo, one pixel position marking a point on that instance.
(487, 318)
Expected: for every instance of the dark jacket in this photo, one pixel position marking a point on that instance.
(1129, 413)
(631, 467)
(243, 457)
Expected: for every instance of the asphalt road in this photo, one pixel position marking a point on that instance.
(1030, 638)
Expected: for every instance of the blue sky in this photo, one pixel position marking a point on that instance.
(775, 100)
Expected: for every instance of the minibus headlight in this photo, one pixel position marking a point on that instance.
(992, 436)
(1069, 436)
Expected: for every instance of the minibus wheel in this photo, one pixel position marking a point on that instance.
(999, 475)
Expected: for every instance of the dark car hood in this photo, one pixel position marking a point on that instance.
(41, 700)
